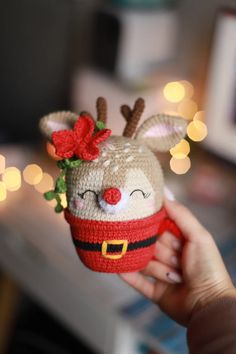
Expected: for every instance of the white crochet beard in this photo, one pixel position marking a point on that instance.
(113, 209)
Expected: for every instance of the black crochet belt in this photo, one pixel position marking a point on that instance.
(131, 246)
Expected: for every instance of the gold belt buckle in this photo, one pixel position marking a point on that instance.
(105, 244)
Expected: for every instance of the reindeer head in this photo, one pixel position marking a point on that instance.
(119, 178)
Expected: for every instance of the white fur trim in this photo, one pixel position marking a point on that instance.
(106, 163)
(111, 147)
(115, 168)
(129, 159)
(114, 209)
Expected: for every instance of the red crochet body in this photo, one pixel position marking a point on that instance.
(118, 246)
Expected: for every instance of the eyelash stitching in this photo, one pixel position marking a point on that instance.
(81, 195)
(145, 195)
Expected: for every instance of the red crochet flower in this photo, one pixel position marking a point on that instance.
(80, 141)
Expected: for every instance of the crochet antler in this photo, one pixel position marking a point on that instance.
(101, 109)
(132, 117)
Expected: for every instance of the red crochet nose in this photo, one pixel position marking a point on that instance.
(111, 196)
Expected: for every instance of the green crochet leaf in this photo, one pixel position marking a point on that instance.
(61, 164)
(61, 186)
(58, 208)
(50, 195)
(75, 163)
(100, 125)
(68, 163)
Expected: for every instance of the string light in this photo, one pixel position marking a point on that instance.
(181, 150)
(187, 108)
(2, 163)
(32, 174)
(12, 178)
(197, 130)
(172, 113)
(189, 90)
(180, 166)
(200, 115)
(174, 91)
(63, 200)
(3, 191)
(45, 184)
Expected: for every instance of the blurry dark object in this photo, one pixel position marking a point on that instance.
(221, 89)
(36, 41)
(208, 185)
(36, 332)
(9, 298)
(129, 43)
(144, 3)
(197, 20)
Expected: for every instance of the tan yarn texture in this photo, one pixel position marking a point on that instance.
(132, 117)
(57, 121)
(123, 163)
(115, 201)
(101, 106)
(162, 131)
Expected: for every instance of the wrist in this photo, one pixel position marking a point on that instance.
(212, 297)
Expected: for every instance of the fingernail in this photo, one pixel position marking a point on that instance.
(177, 244)
(169, 194)
(174, 277)
(174, 260)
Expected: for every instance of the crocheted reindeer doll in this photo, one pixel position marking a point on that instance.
(114, 184)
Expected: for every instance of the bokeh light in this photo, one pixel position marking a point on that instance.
(2, 163)
(172, 113)
(174, 91)
(3, 191)
(63, 200)
(200, 115)
(180, 166)
(189, 90)
(32, 174)
(187, 108)
(181, 150)
(51, 150)
(12, 178)
(52, 203)
(197, 130)
(45, 184)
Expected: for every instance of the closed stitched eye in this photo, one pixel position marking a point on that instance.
(81, 195)
(145, 195)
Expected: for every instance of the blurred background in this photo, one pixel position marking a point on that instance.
(179, 55)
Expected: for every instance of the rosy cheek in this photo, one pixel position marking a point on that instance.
(151, 203)
(78, 204)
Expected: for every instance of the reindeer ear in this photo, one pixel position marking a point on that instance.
(57, 121)
(161, 132)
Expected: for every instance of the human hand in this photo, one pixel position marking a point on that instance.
(187, 275)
